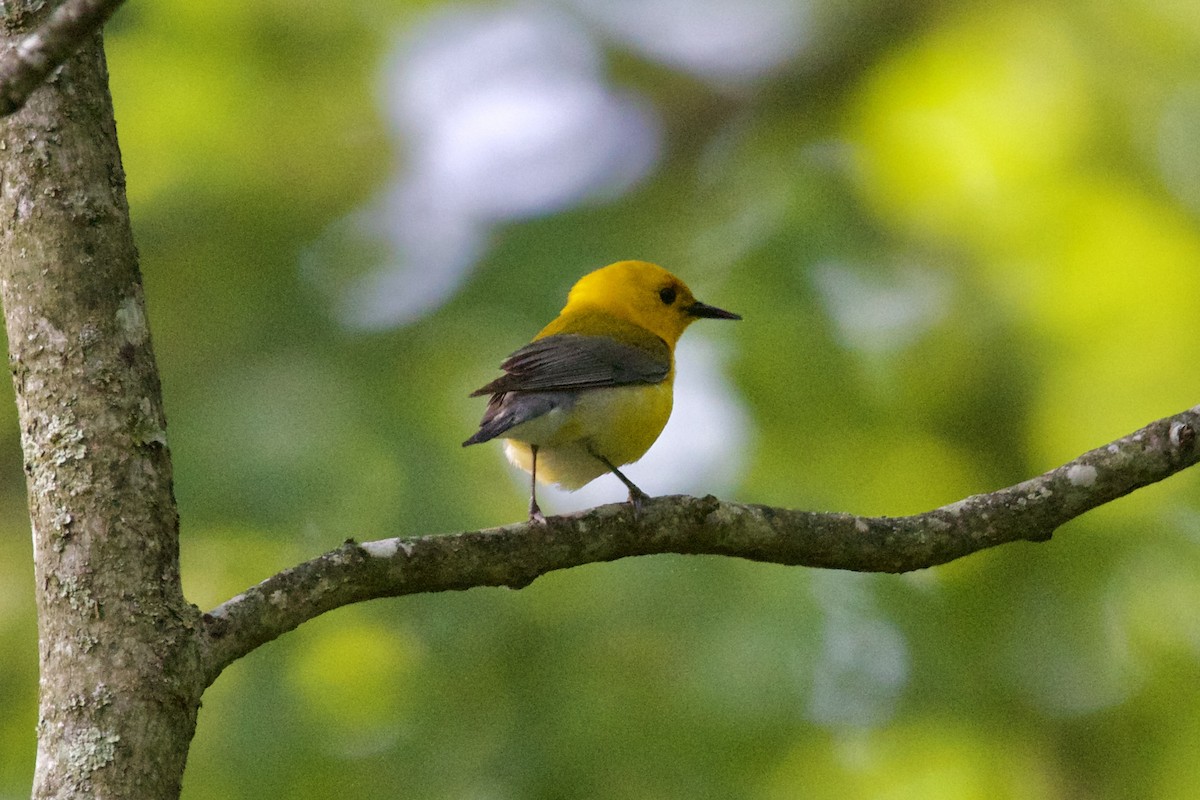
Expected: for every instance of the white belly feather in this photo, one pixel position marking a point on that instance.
(619, 423)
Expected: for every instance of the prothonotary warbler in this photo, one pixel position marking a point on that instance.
(593, 390)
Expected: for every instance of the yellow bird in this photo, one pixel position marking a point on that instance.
(593, 390)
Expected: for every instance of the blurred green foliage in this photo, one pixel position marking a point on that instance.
(966, 247)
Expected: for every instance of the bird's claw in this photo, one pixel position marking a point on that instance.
(637, 499)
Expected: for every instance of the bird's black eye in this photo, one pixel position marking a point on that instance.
(667, 295)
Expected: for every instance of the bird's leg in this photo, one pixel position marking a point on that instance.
(535, 513)
(636, 495)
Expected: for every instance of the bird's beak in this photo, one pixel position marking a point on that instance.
(698, 309)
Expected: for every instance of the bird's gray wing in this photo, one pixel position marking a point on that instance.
(508, 410)
(571, 361)
(544, 374)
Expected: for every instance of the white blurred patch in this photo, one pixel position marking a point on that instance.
(701, 451)
(881, 312)
(863, 664)
(1069, 657)
(503, 115)
(724, 41)
(1178, 145)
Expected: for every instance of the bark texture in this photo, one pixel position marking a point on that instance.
(119, 684)
(25, 66)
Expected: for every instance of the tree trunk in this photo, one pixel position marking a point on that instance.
(120, 680)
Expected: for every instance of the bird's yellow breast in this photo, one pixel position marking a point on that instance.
(619, 423)
(622, 422)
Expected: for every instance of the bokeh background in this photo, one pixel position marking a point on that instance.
(964, 237)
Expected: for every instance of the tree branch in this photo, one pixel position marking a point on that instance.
(517, 554)
(30, 62)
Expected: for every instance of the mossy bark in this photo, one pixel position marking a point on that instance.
(120, 681)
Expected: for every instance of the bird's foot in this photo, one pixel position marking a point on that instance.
(637, 498)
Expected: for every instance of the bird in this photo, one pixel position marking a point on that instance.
(594, 388)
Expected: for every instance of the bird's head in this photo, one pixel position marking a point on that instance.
(644, 294)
